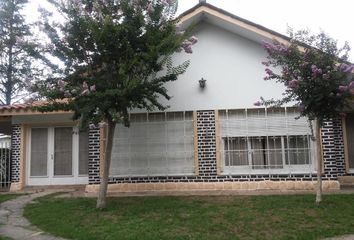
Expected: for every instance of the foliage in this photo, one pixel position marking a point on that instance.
(6, 197)
(315, 72)
(117, 57)
(18, 53)
(198, 217)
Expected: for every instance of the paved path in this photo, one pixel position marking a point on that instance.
(15, 226)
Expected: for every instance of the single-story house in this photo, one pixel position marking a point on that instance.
(211, 138)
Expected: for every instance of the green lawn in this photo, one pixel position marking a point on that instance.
(237, 217)
(5, 197)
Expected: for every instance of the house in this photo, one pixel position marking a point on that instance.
(211, 138)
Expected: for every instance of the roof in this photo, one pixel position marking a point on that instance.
(209, 13)
(24, 109)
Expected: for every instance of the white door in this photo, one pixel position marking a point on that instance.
(57, 156)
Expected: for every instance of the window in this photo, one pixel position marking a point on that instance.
(265, 140)
(154, 144)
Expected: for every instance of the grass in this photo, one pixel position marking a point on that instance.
(221, 217)
(6, 197)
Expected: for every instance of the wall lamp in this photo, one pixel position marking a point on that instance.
(202, 83)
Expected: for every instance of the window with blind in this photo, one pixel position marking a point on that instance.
(154, 144)
(265, 140)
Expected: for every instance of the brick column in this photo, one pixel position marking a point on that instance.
(15, 153)
(94, 156)
(330, 147)
(206, 143)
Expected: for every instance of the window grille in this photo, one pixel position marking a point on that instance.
(154, 144)
(265, 141)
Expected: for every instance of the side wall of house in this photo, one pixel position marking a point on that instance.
(209, 163)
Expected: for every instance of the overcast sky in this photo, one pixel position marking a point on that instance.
(334, 17)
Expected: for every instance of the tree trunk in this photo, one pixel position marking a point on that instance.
(319, 164)
(102, 194)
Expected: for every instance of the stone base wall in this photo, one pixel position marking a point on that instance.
(220, 186)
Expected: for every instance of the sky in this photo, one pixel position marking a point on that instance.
(333, 17)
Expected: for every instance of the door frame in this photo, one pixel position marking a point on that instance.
(345, 143)
(50, 179)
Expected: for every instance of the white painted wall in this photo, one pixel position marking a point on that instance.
(232, 66)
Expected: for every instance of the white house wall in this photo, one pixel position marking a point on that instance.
(232, 67)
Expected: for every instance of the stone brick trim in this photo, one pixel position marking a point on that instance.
(220, 186)
(94, 156)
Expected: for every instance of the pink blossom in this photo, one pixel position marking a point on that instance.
(342, 114)
(342, 88)
(179, 29)
(338, 95)
(188, 49)
(342, 67)
(61, 83)
(315, 71)
(93, 88)
(193, 40)
(268, 71)
(150, 8)
(351, 85)
(266, 64)
(258, 103)
(301, 108)
(67, 94)
(293, 84)
(92, 126)
(86, 91)
(85, 85)
(164, 2)
(267, 46)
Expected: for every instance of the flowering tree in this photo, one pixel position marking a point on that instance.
(317, 77)
(117, 57)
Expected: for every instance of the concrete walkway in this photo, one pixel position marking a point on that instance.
(15, 226)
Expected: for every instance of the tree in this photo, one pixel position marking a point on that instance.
(317, 76)
(117, 57)
(18, 52)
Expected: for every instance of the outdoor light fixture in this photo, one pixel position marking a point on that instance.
(202, 83)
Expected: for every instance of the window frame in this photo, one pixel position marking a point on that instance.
(151, 117)
(249, 169)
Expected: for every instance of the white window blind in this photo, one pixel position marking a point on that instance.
(83, 152)
(154, 144)
(39, 152)
(265, 140)
(63, 151)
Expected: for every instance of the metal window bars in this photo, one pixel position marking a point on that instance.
(5, 163)
(265, 141)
